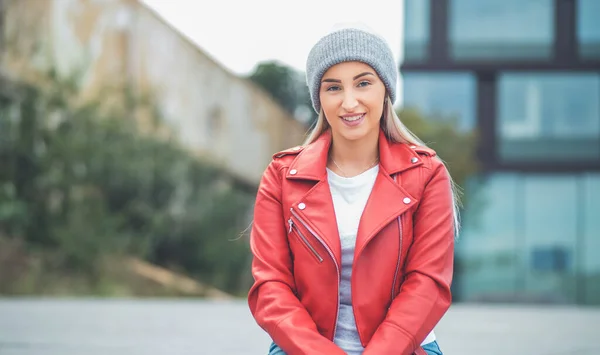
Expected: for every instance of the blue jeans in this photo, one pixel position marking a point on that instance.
(430, 348)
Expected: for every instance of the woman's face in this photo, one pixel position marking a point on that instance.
(352, 97)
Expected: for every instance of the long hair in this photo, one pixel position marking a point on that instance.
(396, 132)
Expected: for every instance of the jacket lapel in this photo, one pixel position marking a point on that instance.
(317, 211)
(317, 205)
(387, 201)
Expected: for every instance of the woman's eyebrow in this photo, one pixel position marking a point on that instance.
(362, 74)
(339, 81)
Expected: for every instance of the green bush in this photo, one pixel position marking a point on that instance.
(83, 181)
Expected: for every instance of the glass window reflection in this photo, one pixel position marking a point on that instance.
(487, 247)
(588, 28)
(549, 116)
(549, 235)
(590, 263)
(443, 96)
(496, 29)
(416, 29)
(531, 237)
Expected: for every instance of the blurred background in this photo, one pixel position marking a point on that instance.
(133, 135)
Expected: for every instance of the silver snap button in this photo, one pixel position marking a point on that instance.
(406, 200)
(414, 160)
(293, 172)
(413, 146)
(301, 205)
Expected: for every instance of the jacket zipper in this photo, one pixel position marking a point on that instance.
(337, 268)
(398, 261)
(304, 240)
(399, 255)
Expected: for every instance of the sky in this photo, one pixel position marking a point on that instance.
(238, 34)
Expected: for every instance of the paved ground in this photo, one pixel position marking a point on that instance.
(181, 327)
(542, 330)
(515, 330)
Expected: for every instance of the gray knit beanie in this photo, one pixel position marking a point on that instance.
(350, 44)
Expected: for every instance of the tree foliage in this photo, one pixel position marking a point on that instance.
(81, 179)
(287, 86)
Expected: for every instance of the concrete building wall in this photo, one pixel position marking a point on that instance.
(213, 112)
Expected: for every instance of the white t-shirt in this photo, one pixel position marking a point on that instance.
(350, 196)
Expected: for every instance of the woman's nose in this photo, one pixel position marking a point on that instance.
(350, 102)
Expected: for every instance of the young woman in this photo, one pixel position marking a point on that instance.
(353, 233)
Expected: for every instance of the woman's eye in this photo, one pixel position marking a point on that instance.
(364, 83)
(333, 88)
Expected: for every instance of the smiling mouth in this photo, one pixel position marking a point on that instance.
(353, 117)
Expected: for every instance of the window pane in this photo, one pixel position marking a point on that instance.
(530, 237)
(549, 117)
(547, 244)
(416, 29)
(487, 249)
(588, 28)
(494, 29)
(442, 96)
(590, 263)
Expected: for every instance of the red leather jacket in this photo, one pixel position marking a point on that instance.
(403, 257)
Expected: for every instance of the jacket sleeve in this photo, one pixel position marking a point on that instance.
(425, 295)
(272, 298)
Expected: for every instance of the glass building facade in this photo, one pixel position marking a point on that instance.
(524, 74)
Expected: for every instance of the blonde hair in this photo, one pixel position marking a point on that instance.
(396, 132)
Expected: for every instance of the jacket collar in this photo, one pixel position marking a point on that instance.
(311, 162)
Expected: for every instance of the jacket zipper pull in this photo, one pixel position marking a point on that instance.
(290, 222)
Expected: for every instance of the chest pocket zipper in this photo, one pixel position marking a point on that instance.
(399, 253)
(304, 241)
